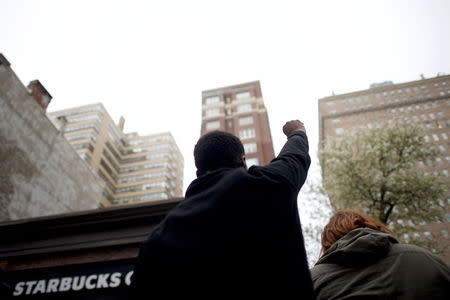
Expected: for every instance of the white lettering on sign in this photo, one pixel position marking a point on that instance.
(19, 289)
(101, 282)
(115, 280)
(89, 284)
(65, 285)
(30, 285)
(75, 283)
(52, 286)
(78, 283)
(40, 287)
(128, 278)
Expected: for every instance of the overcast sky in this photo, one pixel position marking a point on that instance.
(149, 61)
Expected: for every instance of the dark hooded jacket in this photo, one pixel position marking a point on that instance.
(368, 264)
(236, 233)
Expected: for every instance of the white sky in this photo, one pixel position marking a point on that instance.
(149, 60)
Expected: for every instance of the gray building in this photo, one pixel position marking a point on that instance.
(40, 173)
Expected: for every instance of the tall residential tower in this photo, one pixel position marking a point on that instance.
(135, 168)
(240, 110)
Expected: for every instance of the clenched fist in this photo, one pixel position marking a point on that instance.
(292, 126)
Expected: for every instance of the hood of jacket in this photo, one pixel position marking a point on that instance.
(361, 246)
(208, 180)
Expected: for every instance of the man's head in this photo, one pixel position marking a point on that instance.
(218, 149)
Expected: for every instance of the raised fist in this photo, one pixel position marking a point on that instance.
(292, 126)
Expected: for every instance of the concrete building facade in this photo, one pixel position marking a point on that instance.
(40, 173)
(135, 168)
(240, 110)
(425, 102)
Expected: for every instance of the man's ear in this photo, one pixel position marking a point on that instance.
(242, 162)
(197, 173)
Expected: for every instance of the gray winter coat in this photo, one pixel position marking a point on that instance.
(368, 264)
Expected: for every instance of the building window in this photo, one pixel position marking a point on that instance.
(339, 130)
(82, 127)
(444, 233)
(244, 95)
(247, 133)
(85, 118)
(444, 135)
(250, 148)
(244, 107)
(428, 235)
(213, 125)
(82, 136)
(246, 120)
(212, 100)
(212, 112)
(253, 161)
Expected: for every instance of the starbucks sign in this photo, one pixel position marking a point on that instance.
(85, 281)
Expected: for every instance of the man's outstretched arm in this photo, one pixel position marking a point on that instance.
(292, 164)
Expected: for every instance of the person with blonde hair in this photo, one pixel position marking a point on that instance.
(360, 258)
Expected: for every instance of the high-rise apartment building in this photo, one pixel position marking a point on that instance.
(240, 110)
(425, 102)
(135, 168)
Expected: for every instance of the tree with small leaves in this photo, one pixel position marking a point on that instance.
(379, 171)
